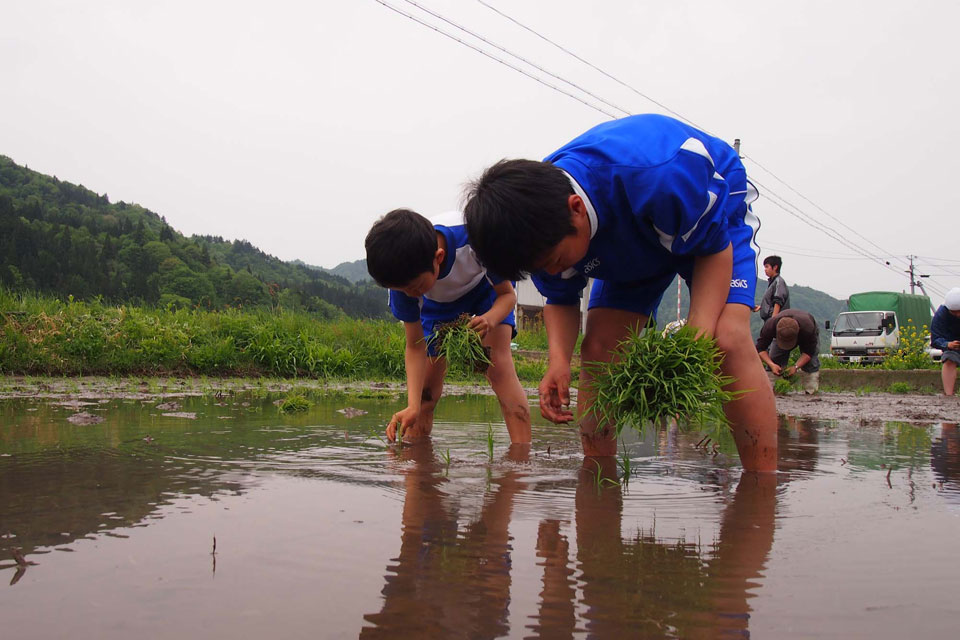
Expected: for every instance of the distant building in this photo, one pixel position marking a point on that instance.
(530, 306)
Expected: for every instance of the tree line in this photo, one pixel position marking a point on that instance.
(64, 239)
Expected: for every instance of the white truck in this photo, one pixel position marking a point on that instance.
(872, 325)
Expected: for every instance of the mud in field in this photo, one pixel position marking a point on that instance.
(864, 407)
(872, 407)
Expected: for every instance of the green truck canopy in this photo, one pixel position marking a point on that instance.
(910, 308)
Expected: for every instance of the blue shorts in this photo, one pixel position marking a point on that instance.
(645, 297)
(478, 301)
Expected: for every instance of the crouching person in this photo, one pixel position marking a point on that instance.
(945, 335)
(780, 335)
(434, 277)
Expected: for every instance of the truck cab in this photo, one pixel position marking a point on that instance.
(864, 336)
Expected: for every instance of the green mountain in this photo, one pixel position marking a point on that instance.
(63, 239)
(354, 272)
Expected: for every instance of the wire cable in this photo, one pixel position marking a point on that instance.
(493, 57)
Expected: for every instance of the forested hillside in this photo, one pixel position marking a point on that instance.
(63, 239)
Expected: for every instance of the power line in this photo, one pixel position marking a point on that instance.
(493, 57)
(593, 66)
(814, 204)
(799, 213)
(515, 55)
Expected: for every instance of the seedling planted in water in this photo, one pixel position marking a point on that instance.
(658, 376)
(295, 402)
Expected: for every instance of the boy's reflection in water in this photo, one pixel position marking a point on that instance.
(448, 583)
(945, 457)
(629, 584)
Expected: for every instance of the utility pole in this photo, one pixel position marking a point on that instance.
(914, 282)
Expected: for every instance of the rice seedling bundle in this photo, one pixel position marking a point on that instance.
(461, 346)
(656, 376)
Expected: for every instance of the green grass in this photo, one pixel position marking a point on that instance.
(900, 387)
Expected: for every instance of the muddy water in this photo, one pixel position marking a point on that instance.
(322, 530)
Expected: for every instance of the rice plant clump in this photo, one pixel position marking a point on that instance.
(295, 402)
(461, 346)
(657, 376)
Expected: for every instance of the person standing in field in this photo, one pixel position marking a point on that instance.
(777, 296)
(945, 335)
(434, 277)
(631, 203)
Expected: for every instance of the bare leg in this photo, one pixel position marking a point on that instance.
(948, 374)
(432, 388)
(502, 375)
(606, 328)
(753, 416)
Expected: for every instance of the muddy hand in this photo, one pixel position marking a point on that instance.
(555, 397)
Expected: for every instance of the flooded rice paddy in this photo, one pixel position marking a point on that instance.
(323, 530)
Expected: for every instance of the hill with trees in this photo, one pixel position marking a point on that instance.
(64, 239)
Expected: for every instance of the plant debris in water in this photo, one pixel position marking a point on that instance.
(295, 402)
(461, 346)
(657, 376)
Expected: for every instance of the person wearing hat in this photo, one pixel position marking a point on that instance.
(780, 335)
(945, 335)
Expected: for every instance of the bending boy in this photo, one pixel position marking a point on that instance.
(434, 277)
(631, 203)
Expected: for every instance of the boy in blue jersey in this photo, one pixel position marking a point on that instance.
(434, 277)
(631, 203)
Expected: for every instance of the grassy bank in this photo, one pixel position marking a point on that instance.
(46, 336)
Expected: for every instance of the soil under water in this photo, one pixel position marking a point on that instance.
(850, 406)
(198, 508)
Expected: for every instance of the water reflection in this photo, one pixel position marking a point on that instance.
(448, 582)
(945, 457)
(529, 543)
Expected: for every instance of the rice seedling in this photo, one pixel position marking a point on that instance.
(490, 441)
(445, 456)
(295, 402)
(658, 376)
(900, 387)
(623, 462)
(461, 346)
(783, 386)
(600, 481)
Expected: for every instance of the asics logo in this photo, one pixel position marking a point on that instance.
(738, 283)
(590, 266)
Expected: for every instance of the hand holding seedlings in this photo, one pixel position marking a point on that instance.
(480, 324)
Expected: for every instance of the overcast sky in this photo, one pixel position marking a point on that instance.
(295, 125)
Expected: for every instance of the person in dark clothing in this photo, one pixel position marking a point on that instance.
(777, 297)
(778, 337)
(945, 335)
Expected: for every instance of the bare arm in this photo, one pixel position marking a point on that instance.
(415, 363)
(711, 285)
(501, 308)
(563, 327)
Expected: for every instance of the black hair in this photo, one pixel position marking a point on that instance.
(516, 212)
(773, 261)
(400, 246)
